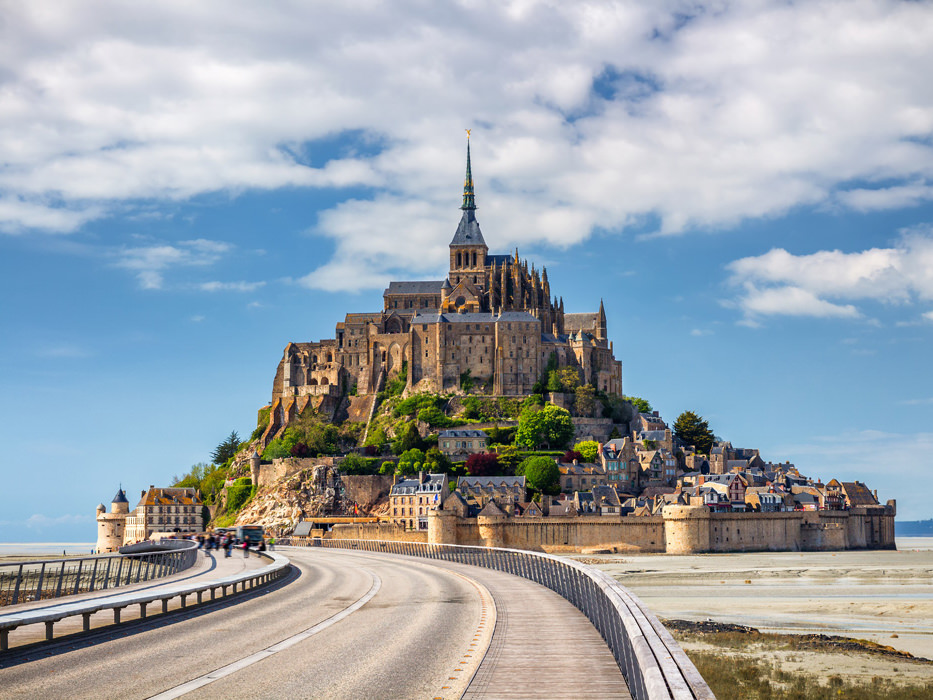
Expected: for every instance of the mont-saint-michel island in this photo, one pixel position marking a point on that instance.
(466, 351)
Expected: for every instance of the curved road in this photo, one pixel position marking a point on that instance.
(350, 625)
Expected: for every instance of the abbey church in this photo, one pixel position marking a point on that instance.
(492, 319)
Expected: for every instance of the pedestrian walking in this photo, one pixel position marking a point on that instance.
(272, 543)
(246, 547)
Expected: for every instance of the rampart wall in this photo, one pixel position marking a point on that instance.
(680, 530)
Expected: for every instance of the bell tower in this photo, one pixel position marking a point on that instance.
(468, 250)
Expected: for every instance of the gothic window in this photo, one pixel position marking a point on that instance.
(474, 277)
(474, 264)
(459, 260)
(330, 357)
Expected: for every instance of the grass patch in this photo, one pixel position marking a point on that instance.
(746, 679)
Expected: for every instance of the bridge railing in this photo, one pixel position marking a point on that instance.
(242, 582)
(52, 578)
(653, 664)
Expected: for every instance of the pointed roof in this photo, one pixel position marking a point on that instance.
(120, 497)
(469, 200)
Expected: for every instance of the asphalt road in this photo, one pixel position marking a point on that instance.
(403, 643)
(346, 625)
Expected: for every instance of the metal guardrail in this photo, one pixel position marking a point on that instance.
(52, 578)
(54, 613)
(653, 664)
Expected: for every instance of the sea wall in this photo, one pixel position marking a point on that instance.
(679, 530)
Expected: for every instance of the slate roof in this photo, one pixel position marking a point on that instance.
(518, 316)
(169, 497)
(858, 494)
(462, 434)
(432, 484)
(418, 287)
(303, 529)
(120, 497)
(499, 260)
(491, 481)
(468, 232)
(581, 322)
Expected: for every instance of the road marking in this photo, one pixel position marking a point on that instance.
(207, 678)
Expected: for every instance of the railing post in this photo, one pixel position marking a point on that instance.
(61, 578)
(39, 584)
(78, 577)
(19, 579)
(94, 577)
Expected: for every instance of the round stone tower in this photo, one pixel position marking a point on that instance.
(686, 529)
(111, 526)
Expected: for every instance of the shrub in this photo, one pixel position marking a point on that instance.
(434, 417)
(238, 495)
(589, 449)
(571, 455)
(411, 461)
(483, 464)
(355, 464)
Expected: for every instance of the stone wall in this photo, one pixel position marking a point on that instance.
(376, 531)
(680, 530)
(269, 473)
(366, 490)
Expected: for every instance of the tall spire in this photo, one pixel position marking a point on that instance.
(469, 201)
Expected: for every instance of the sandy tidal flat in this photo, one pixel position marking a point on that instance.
(864, 594)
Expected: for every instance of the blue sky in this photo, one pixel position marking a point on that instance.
(185, 190)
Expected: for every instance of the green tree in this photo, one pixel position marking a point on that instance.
(407, 438)
(589, 449)
(541, 474)
(692, 429)
(641, 405)
(355, 464)
(550, 427)
(227, 449)
(585, 402)
(411, 461)
(436, 462)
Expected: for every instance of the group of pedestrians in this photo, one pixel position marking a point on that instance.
(228, 541)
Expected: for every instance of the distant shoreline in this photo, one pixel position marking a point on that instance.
(45, 550)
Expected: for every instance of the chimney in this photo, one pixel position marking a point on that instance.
(546, 504)
(574, 462)
(701, 480)
(420, 477)
(142, 494)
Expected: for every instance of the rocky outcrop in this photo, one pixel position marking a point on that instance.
(314, 492)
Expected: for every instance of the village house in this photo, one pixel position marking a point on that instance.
(462, 442)
(622, 467)
(580, 477)
(411, 499)
(477, 491)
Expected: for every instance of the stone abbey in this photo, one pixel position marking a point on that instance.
(493, 319)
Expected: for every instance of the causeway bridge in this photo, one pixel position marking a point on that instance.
(353, 619)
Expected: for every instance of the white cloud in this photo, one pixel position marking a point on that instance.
(780, 283)
(700, 332)
(230, 286)
(744, 110)
(927, 316)
(40, 521)
(150, 262)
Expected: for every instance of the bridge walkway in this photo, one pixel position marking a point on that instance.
(213, 566)
(542, 646)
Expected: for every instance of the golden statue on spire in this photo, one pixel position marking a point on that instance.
(468, 132)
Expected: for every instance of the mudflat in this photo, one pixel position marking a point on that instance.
(883, 596)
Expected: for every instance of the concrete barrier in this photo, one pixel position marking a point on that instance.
(49, 615)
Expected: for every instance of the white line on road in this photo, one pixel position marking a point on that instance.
(207, 678)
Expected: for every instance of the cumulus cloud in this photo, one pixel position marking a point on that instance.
(586, 116)
(150, 262)
(780, 283)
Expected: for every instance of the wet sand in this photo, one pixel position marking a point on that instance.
(883, 596)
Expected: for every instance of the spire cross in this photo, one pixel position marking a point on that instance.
(469, 202)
